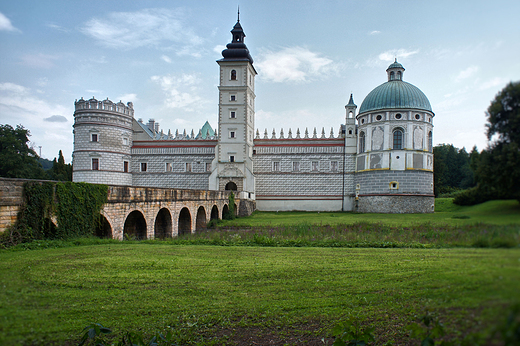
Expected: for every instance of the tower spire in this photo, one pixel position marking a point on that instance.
(238, 20)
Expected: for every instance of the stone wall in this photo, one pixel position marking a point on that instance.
(396, 204)
(408, 182)
(11, 200)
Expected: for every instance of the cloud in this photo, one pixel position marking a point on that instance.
(128, 98)
(294, 64)
(181, 91)
(21, 105)
(166, 59)
(5, 24)
(375, 32)
(219, 48)
(464, 74)
(57, 27)
(39, 60)
(390, 55)
(56, 119)
(495, 83)
(145, 28)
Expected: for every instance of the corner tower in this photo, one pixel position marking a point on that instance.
(394, 164)
(102, 142)
(232, 168)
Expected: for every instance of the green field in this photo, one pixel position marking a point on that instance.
(492, 212)
(274, 285)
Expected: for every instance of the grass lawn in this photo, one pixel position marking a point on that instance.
(241, 295)
(446, 213)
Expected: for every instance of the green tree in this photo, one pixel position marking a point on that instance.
(498, 166)
(60, 171)
(17, 159)
(452, 169)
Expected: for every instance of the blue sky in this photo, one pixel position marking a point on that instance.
(310, 55)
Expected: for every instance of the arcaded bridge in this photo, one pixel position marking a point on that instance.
(141, 212)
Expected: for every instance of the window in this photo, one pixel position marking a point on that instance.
(276, 166)
(398, 139)
(394, 185)
(208, 167)
(231, 158)
(362, 121)
(144, 166)
(94, 137)
(315, 165)
(232, 134)
(125, 141)
(296, 166)
(125, 166)
(362, 142)
(392, 75)
(95, 164)
(232, 115)
(398, 116)
(417, 117)
(334, 166)
(233, 75)
(430, 142)
(168, 167)
(232, 98)
(399, 74)
(379, 117)
(188, 166)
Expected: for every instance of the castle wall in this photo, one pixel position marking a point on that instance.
(169, 167)
(303, 174)
(408, 182)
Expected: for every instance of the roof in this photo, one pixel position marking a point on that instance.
(395, 94)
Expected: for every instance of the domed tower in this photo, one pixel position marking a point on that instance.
(102, 142)
(394, 164)
(232, 168)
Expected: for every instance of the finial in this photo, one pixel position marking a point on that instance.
(238, 13)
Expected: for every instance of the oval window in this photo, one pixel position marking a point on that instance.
(379, 117)
(417, 116)
(398, 116)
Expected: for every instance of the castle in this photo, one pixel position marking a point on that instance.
(380, 160)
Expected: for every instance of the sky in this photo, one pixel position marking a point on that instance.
(310, 56)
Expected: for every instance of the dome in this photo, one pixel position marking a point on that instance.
(395, 94)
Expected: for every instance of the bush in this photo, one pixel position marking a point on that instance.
(471, 196)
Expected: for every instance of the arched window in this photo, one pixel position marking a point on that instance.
(362, 142)
(430, 142)
(392, 75)
(233, 75)
(399, 75)
(398, 139)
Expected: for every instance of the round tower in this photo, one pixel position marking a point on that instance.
(102, 142)
(394, 164)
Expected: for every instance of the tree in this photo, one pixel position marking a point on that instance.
(503, 115)
(60, 171)
(498, 167)
(452, 169)
(17, 159)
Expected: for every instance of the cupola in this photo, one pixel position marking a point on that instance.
(395, 71)
(237, 50)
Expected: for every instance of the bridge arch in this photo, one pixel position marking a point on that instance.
(103, 228)
(214, 213)
(184, 222)
(135, 226)
(163, 224)
(225, 211)
(200, 223)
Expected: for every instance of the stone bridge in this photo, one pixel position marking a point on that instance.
(141, 212)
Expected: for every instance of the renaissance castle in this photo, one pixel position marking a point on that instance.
(379, 161)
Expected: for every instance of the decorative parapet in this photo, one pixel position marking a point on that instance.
(105, 106)
(298, 135)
